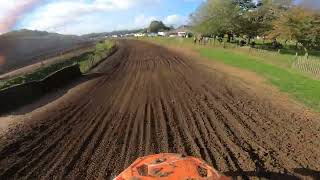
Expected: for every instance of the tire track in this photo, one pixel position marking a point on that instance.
(150, 100)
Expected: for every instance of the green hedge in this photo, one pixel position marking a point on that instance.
(101, 52)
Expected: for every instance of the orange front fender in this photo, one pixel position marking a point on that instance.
(169, 166)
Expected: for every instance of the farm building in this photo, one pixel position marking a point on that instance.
(182, 31)
(139, 35)
(162, 33)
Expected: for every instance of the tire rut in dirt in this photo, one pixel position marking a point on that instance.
(152, 100)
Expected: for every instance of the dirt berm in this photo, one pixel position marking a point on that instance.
(20, 95)
(151, 100)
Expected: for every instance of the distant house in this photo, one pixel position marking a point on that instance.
(182, 34)
(162, 33)
(182, 31)
(129, 35)
(139, 35)
(115, 36)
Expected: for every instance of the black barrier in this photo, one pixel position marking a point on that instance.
(17, 96)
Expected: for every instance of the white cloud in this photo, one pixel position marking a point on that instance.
(58, 14)
(83, 16)
(7, 6)
(143, 21)
(12, 11)
(175, 20)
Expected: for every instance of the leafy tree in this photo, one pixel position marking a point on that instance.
(257, 21)
(156, 26)
(300, 24)
(238, 17)
(283, 4)
(245, 4)
(216, 17)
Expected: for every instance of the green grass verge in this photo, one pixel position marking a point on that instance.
(270, 57)
(86, 61)
(275, 68)
(303, 88)
(102, 50)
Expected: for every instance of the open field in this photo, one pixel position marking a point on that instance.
(87, 59)
(47, 62)
(147, 100)
(276, 68)
(25, 47)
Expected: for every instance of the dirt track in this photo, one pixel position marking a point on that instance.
(151, 100)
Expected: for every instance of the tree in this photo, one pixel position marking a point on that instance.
(156, 26)
(300, 24)
(216, 17)
(283, 4)
(245, 5)
(257, 21)
(238, 17)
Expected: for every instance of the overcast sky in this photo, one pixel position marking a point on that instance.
(86, 16)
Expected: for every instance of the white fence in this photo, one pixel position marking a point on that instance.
(262, 52)
(306, 65)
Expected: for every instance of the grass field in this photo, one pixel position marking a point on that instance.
(303, 88)
(275, 68)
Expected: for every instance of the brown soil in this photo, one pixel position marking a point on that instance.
(151, 100)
